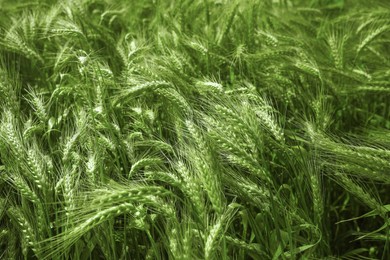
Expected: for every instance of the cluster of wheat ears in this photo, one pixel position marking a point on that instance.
(194, 129)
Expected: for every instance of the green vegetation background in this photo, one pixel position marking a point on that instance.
(194, 129)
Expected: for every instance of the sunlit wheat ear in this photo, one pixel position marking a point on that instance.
(145, 162)
(9, 89)
(15, 42)
(205, 164)
(244, 245)
(206, 85)
(192, 187)
(355, 159)
(175, 98)
(269, 38)
(336, 41)
(318, 203)
(74, 234)
(360, 193)
(216, 232)
(68, 146)
(370, 36)
(36, 168)
(137, 89)
(9, 135)
(106, 204)
(244, 188)
(29, 237)
(23, 188)
(269, 121)
(69, 187)
(240, 157)
(238, 147)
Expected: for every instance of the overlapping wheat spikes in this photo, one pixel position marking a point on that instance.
(194, 129)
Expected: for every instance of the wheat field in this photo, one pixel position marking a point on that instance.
(194, 129)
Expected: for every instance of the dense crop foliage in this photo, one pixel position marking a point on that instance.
(184, 129)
